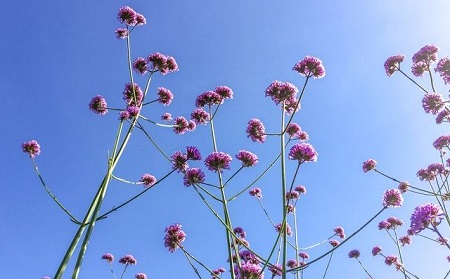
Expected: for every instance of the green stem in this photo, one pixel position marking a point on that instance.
(413, 81)
(283, 192)
(72, 218)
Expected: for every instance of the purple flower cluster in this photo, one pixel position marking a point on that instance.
(248, 270)
(216, 97)
(441, 142)
(193, 176)
(423, 59)
(303, 152)
(181, 125)
(430, 173)
(217, 161)
(339, 231)
(403, 187)
(127, 260)
(217, 272)
(423, 216)
(376, 250)
(31, 147)
(256, 192)
(392, 198)
(432, 103)
(132, 94)
(282, 91)
(247, 158)
(166, 117)
(108, 257)
(369, 165)
(288, 228)
(98, 105)
(405, 240)
(354, 253)
(276, 269)
(303, 255)
(140, 276)
(390, 223)
(392, 64)
(165, 96)
(443, 116)
(130, 112)
(148, 180)
(174, 237)
(179, 159)
(200, 116)
(162, 63)
(389, 260)
(131, 18)
(333, 242)
(443, 68)
(310, 67)
(256, 130)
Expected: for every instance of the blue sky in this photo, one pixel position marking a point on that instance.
(57, 55)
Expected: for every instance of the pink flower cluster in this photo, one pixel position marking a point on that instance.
(216, 97)
(310, 67)
(31, 147)
(423, 216)
(303, 152)
(155, 62)
(392, 198)
(174, 237)
(392, 64)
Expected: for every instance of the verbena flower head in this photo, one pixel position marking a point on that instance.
(291, 105)
(288, 228)
(300, 189)
(442, 240)
(333, 242)
(132, 94)
(441, 142)
(389, 260)
(437, 168)
(292, 263)
(256, 192)
(208, 98)
(217, 161)
(394, 222)
(200, 116)
(248, 271)
(376, 250)
(281, 91)
(166, 117)
(424, 215)
(181, 125)
(276, 269)
(191, 125)
(240, 232)
(127, 15)
(140, 276)
(303, 255)
(419, 68)
(293, 130)
(384, 225)
(140, 66)
(432, 103)
(127, 260)
(179, 161)
(162, 63)
(174, 237)
(403, 187)
(165, 96)
(133, 111)
(392, 198)
(193, 153)
(98, 105)
(405, 240)
(310, 66)
(392, 64)
(224, 91)
(303, 136)
(217, 272)
(193, 176)
(249, 257)
(426, 54)
(303, 152)
(148, 180)
(31, 147)
(354, 253)
(443, 116)
(108, 257)
(339, 231)
(140, 19)
(121, 33)
(292, 195)
(424, 174)
(247, 158)
(256, 130)
(443, 68)
(369, 165)
(124, 115)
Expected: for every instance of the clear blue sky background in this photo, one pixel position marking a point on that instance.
(56, 55)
